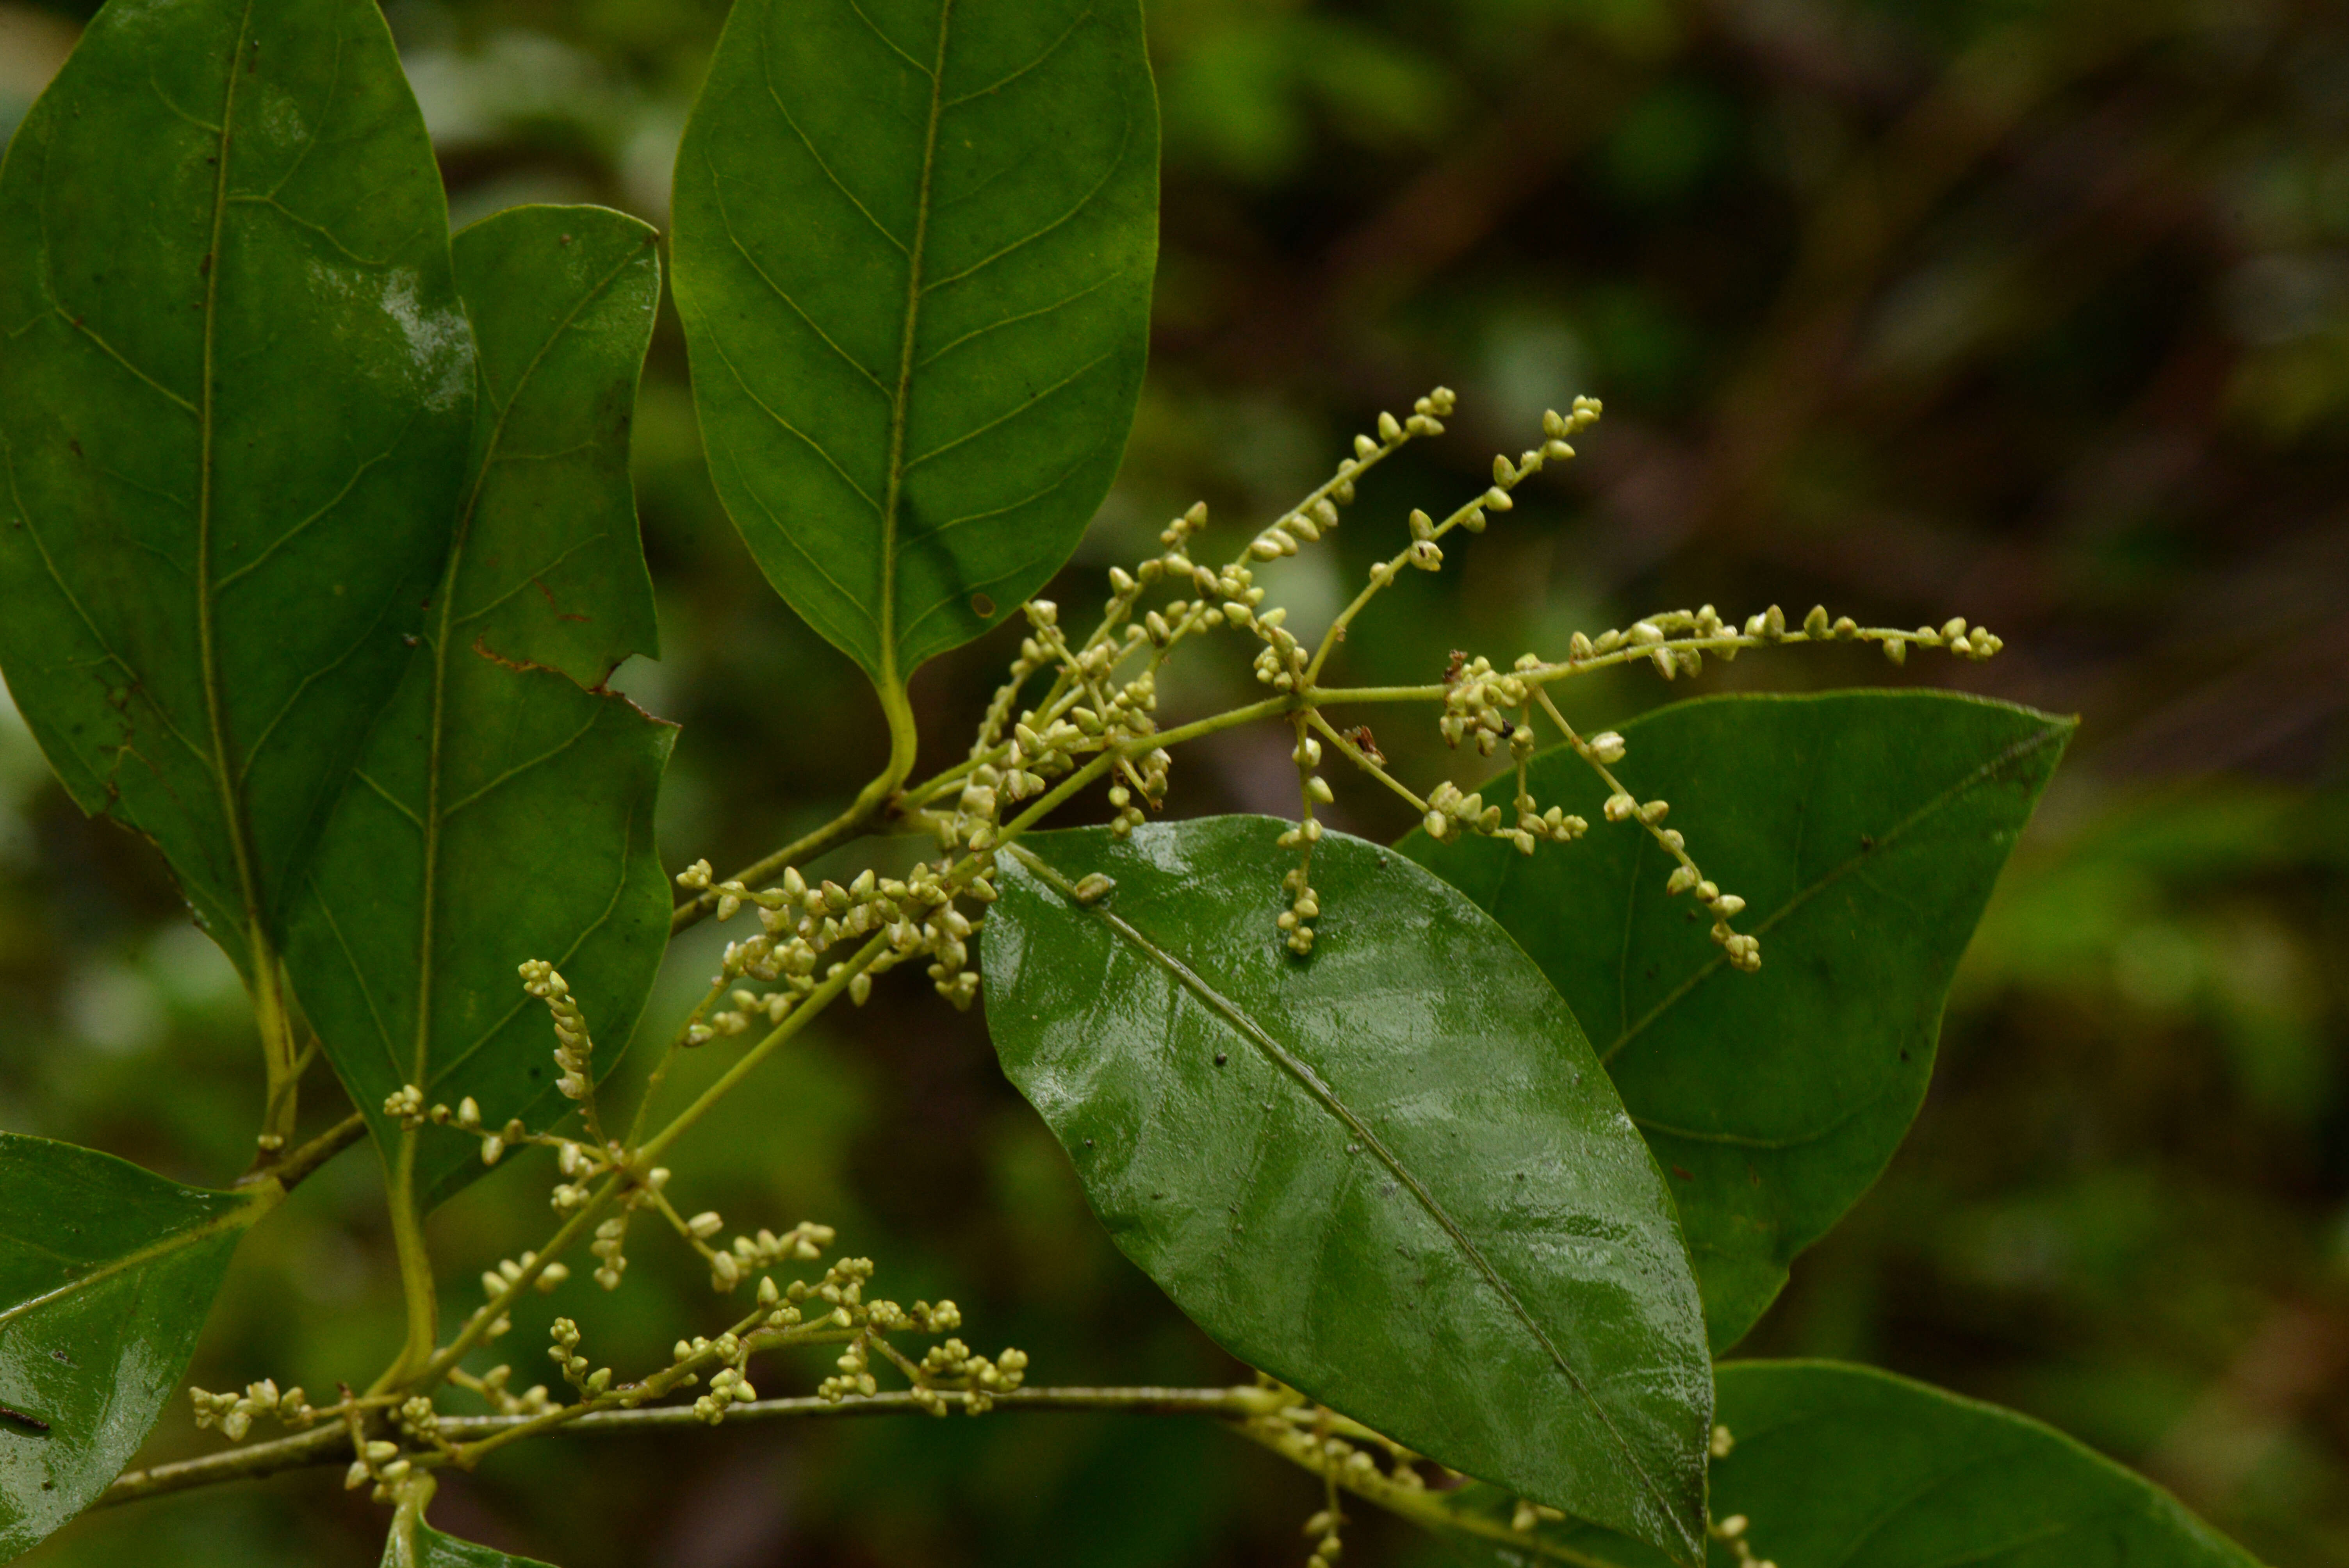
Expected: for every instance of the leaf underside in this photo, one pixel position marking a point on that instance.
(504, 809)
(1846, 1465)
(1391, 1175)
(1865, 830)
(233, 409)
(914, 242)
(107, 1273)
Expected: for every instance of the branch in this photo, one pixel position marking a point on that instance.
(291, 1169)
(328, 1445)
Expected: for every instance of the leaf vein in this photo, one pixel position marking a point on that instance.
(221, 585)
(767, 75)
(1034, 401)
(260, 741)
(895, 47)
(726, 216)
(979, 332)
(1124, 140)
(519, 768)
(1049, 50)
(815, 445)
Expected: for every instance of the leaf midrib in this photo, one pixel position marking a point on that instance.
(227, 778)
(1313, 1085)
(1939, 803)
(891, 679)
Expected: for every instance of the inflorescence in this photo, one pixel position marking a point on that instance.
(1096, 720)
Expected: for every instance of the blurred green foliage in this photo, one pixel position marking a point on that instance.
(2035, 311)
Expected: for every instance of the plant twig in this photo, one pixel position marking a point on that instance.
(330, 1444)
(292, 1167)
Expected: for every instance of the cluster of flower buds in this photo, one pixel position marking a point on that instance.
(1149, 775)
(1295, 923)
(573, 1051)
(1743, 952)
(1085, 672)
(1318, 513)
(801, 924)
(379, 1460)
(1975, 642)
(1304, 526)
(582, 1164)
(1426, 553)
(1298, 1433)
(1323, 1527)
(496, 1281)
(842, 1289)
(492, 1386)
(1304, 905)
(1475, 696)
(1302, 1433)
(729, 1384)
(951, 1364)
(841, 1307)
(803, 1242)
(608, 1248)
(1047, 744)
(1676, 641)
(233, 1413)
(1450, 812)
(856, 1374)
(565, 1353)
(1282, 662)
(418, 1418)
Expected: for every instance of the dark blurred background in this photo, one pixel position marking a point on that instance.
(2034, 311)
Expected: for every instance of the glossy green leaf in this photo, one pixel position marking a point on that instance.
(1864, 830)
(1391, 1175)
(235, 402)
(503, 810)
(1839, 1464)
(416, 1544)
(107, 1273)
(914, 242)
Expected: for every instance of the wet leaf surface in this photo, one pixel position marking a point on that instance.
(106, 1274)
(1391, 1175)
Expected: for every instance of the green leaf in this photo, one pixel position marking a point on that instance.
(1864, 830)
(1923, 1476)
(233, 411)
(914, 249)
(1391, 1175)
(1846, 1465)
(503, 811)
(106, 1274)
(416, 1544)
